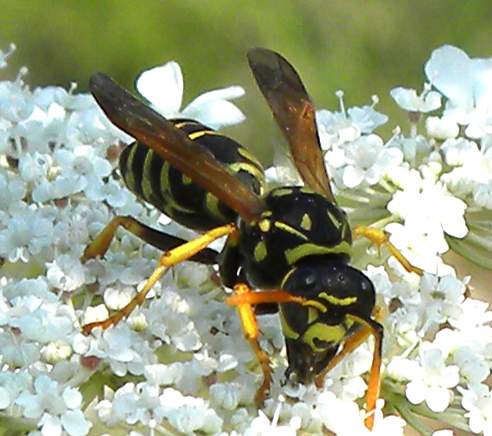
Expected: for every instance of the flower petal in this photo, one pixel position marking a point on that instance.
(449, 69)
(214, 113)
(163, 87)
(229, 93)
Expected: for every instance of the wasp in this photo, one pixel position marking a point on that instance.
(287, 250)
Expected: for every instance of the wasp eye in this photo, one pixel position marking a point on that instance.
(306, 277)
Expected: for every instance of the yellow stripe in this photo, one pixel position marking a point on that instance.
(287, 330)
(281, 192)
(306, 190)
(286, 277)
(249, 156)
(325, 333)
(212, 206)
(200, 133)
(316, 304)
(147, 190)
(336, 222)
(164, 179)
(181, 124)
(289, 229)
(129, 175)
(313, 315)
(309, 249)
(169, 203)
(249, 168)
(347, 301)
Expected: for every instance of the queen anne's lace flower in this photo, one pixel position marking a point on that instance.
(409, 100)
(180, 363)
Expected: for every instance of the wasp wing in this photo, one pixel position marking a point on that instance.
(295, 114)
(152, 129)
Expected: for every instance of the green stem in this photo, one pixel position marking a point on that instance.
(400, 404)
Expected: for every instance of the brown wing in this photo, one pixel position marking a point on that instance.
(152, 129)
(294, 112)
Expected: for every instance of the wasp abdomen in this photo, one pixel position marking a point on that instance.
(154, 180)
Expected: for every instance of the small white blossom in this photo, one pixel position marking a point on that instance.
(57, 408)
(431, 382)
(163, 87)
(409, 100)
(441, 128)
(467, 84)
(368, 160)
(478, 402)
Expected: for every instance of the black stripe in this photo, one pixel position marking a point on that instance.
(124, 159)
(137, 165)
(155, 177)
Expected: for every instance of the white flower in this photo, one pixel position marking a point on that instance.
(66, 273)
(409, 100)
(441, 297)
(262, 426)
(432, 202)
(57, 409)
(431, 382)
(187, 414)
(472, 169)
(441, 128)
(80, 169)
(368, 160)
(467, 83)
(163, 87)
(122, 347)
(336, 128)
(12, 191)
(478, 401)
(366, 117)
(28, 234)
(344, 418)
(226, 395)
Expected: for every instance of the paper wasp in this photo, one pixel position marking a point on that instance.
(291, 245)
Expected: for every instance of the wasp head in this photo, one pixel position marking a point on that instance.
(315, 330)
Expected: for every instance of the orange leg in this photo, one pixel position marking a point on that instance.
(369, 326)
(380, 238)
(251, 332)
(244, 299)
(167, 260)
(352, 343)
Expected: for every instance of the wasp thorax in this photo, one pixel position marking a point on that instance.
(297, 223)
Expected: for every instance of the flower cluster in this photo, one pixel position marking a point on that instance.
(177, 364)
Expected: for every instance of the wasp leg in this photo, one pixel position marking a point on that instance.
(380, 238)
(167, 260)
(353, 342)
(369, 326)
(251, 332)
(244, 298)
(158, 239)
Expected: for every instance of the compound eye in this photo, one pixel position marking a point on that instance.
(307, 278)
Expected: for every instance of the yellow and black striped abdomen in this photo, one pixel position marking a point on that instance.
(152, 178)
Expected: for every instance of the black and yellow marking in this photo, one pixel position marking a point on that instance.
(156, 181)
(294, 242)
